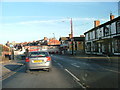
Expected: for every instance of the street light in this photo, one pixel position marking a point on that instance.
(72, 39)
(54, 37)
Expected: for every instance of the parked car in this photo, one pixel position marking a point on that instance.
(38, 60)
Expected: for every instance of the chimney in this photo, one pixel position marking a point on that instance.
(82, 36)
(111, 16)
(45, 38)
(96, 23)
(70, 35)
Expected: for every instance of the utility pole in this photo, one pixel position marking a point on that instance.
(72, 39)
(71, 29)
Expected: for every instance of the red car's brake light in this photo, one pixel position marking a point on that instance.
(48, 58)
(27, 60)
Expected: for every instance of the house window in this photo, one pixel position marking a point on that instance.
(96, 34)
(106, 30)
(118, 26)
(89, 36)
(100, 33)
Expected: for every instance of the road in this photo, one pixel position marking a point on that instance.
(66, 72)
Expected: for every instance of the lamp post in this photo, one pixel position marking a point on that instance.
(72, 39)
(54, 37)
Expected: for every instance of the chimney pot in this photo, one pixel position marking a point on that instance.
(96, 23)
(82, 36)
(45, 38)
(111, 17)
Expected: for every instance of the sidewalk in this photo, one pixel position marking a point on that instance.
(9, 66)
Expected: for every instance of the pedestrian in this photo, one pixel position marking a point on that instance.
(19, 47)
(8, 44)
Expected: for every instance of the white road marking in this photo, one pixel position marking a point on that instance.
(76, 79)
(83, 78)
(81, 85)
(59, 57)
(54, 60)
(111, 70)
(74, 64)
(86, 64)
(72, 75)
(60, 65)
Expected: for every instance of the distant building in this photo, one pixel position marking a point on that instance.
(66, 44)
(47, 41)
(53, 41)
(51, 45)
(104, 38)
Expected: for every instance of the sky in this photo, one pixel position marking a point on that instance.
(28, 21)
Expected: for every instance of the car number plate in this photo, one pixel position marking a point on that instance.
(38, 61)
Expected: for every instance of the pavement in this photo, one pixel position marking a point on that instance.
(9, 66)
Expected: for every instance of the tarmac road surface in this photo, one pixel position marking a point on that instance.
(66, 72)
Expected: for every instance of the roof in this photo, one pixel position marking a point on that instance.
(53, 42)
(75, 38)
(109, 22)
(63, 38)
(79, 38)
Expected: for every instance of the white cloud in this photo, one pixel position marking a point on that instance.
(38, 21)
(9, 17)
(55, 21)
(61, 20)
(60, 0)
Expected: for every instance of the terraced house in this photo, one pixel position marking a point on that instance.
(104, 38)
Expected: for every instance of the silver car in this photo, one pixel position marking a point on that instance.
(38, 60)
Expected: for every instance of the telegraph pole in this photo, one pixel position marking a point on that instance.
(72, 39)
(71, 29)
